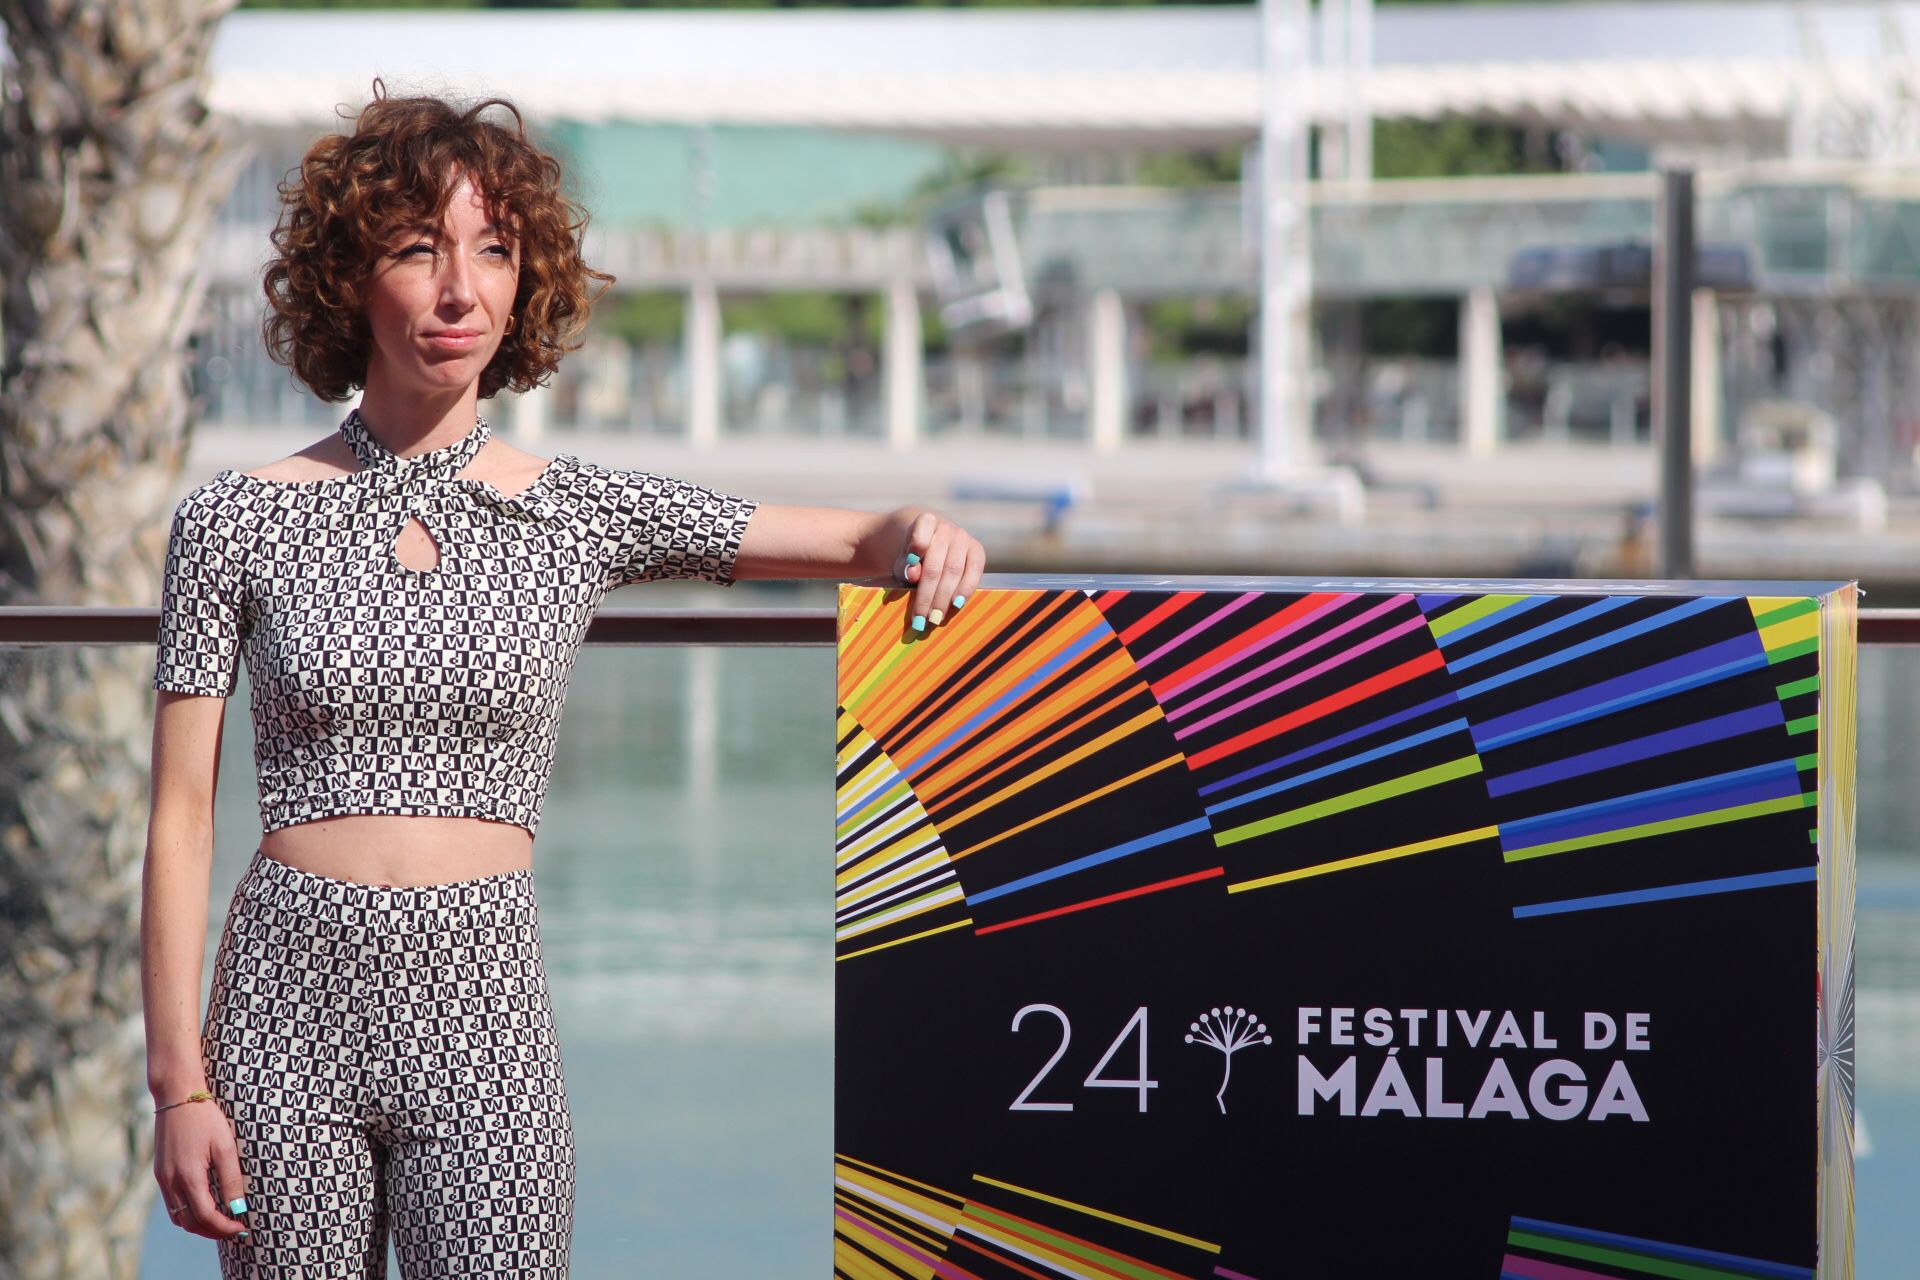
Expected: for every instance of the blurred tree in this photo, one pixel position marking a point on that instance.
(111, 168)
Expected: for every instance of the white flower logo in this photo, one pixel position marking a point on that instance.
(1229, 1030)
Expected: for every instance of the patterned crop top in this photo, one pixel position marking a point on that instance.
(377, 688)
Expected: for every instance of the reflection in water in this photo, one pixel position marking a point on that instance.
(686, 891)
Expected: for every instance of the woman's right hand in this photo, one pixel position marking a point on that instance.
(193, 1152)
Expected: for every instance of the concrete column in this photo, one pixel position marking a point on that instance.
(527, 416)
(903, 363)
(1481, 410)
(1106, 370)
(1706, 376)
(700, 338)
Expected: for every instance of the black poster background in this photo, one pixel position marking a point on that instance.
(927, 1062)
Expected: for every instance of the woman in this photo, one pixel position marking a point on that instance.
(409, 594)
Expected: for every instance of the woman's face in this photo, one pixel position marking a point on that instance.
(439, 298)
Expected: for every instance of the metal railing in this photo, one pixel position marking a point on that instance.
(53, 625)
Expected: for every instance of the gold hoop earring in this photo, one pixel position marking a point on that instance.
(509, 329)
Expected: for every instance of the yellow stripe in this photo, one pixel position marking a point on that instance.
(1102, 1214)
(958, 924)
(1792, 631)
(1075, 804)
(876, 843)
(1367, 859)
(885, 916)
(943, 1214)
(959, 1201)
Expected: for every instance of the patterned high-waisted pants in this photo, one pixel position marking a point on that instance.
(387, 1057)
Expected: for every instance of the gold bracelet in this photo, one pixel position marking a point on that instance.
(198, 1095)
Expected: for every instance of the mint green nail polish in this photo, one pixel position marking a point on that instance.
(958, 601)
(913, 558)
(919, 622)
(237, 1206)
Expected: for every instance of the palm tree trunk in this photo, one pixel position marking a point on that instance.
(111, 168)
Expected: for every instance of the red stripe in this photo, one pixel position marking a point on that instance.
(1173, 604)
(1244, 640)
(1408, 670)
(1106, 598)
(1208, 874)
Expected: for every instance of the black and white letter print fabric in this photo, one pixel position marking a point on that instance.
(377, 688)
(387, 1056)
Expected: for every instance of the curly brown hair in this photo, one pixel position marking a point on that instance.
(396, 171)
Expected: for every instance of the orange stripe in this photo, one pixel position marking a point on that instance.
(1088, 798)
(1085, 687)
(1094, 713)
(1124, 894)
(1242, 641)
(1032, 657)
(1002, 663)
(1326, 706)
(897, 705)
(859, 652)
(1174, 603)
(1052, 767)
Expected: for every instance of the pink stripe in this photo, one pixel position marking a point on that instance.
(1251, 650)
(1534, 1269)
(1200, 626)
(1230, 1275)
(1325, 637)
(939, 1267)
(1339, 659)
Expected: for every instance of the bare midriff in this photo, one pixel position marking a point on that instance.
(401, 849)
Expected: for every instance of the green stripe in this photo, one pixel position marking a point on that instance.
(1451, 622)
(1813, 836)
(1623, 1258)
(1804, 763)
(1810, 645)
(1785, 611)
(1666, 827)
(1108, 1260)
(1464, 767)
(1803, 724)
(1795, 688)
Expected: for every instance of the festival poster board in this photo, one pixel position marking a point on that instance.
(1261, 927)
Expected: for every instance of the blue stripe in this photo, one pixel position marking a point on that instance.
(1660, 1249)
(1196, 827)
(1444, 701)
(1679, 613)
(1781, 770)
(1717, 729)
(1696, 889)
(1339, 766)
(1678, 807)
(1503, 614)
(874, 796)
(1653, 694)
(1540, 632)
(1429, 603)
(1558, 709)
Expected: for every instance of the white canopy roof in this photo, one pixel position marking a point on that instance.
(1658, 70)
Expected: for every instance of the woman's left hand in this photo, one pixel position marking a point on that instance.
(942, 563)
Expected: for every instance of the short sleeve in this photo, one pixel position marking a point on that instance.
(199, 640)
(667, 528)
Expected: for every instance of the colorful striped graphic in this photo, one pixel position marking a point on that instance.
(1540, 1250)
(1054, 795)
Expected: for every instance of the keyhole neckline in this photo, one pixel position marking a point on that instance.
(444, 462)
